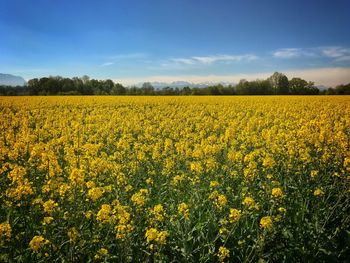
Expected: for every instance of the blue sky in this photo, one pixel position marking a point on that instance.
(169, 40)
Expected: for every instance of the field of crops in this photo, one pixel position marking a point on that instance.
(181, 179)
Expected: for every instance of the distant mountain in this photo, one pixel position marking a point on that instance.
(181, 84)
(322, 87)
(11, 80)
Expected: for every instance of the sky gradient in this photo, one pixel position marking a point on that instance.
(170, 40)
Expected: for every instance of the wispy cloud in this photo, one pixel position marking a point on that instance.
(343, 58)
(186, 61)
(335, 53)
(288, 53)
(107, 64)
(112, 59)
(225, 58)
(207, 60)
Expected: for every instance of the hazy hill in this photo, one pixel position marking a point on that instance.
(182, 84)
(11, 80)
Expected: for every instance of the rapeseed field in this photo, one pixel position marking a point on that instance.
(174, 179)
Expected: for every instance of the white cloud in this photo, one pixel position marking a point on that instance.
(343, 58)
(227, 58)
(112, 59)
(335, 53)
(187, 61)
(321, 76)
(107, 64)
(287, 53)
(207, 60)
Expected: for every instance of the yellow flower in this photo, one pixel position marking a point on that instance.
(63, 189)
(196, 167)
(88, 214)
(73, 234)
(183, 210)
(77, 177)
(266, 222)
(90, 184)
(177, 179)
(107, 189)
(235, 215)
(124, 226)
(223, 231)
(223, 253)
(214, 195)
(277, 192)
(37, 201)
(101, 253)
(268, 162)
(221, 201)
(139, 198)
(104, 214)
(47, 220)
(22, 189)
(282, 210)
(95, 193)
(158, 213)
(38, 242)
(248, 201)
(49, 206)
(5, 231)
(161, 237)
(214, 184)
(151, 234)
(318, 192)
(149, 181)
(314, 173)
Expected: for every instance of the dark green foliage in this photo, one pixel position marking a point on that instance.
(339, 90)
(277, 84)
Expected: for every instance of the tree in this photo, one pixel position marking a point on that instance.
(343, 89)
(185, 91)
(214, 90)
(85, 79)
(279, 83)
(68, 86)
(147, 89)
(107, 86)
(33, 86)
(78, 85)
(118, 89)
(297, 86)
(95, 86)
(311, 89)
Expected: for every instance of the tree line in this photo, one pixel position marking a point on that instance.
(277, 84)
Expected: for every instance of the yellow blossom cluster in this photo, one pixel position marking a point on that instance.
(154, 235)
(37, 243)
(183, 210)
(266, 222)
(223, 254)
(5, 231)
